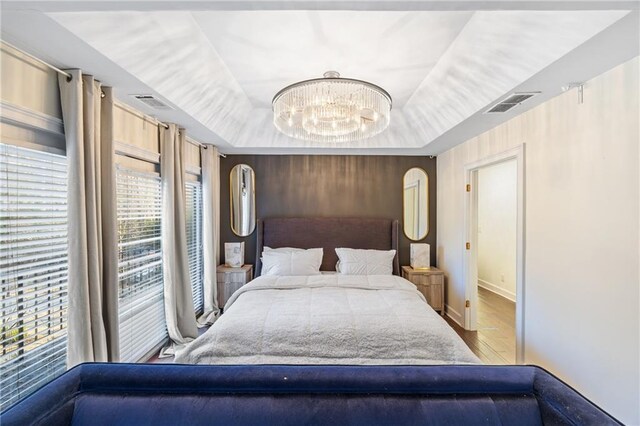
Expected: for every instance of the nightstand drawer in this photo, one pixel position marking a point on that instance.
(435, 297)
(429, 282)
(433, 294)
(225, 290)
(229, 280)
(233, 277)
(437, 279)
(420, 279)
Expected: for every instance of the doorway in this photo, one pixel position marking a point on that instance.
(494, 261)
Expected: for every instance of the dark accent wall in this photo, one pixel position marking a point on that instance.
(327, 186)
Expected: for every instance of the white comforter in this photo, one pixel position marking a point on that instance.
(328, 319)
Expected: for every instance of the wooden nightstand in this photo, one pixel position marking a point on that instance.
(231, 279)
(430, 283)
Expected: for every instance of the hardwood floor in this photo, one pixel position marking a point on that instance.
(495, 340)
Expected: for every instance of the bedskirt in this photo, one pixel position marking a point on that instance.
(147, 394)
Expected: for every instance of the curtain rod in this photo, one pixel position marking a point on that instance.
(56, 69)
(69, 77)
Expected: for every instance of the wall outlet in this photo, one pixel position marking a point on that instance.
(502, 277)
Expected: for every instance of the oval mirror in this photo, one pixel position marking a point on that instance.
(415, 202)
(243, 200)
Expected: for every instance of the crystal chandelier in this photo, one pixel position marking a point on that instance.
(331, 109)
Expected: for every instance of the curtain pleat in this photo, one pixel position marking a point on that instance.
(109, 222)
(178, 301)
(93, 283)
(210, 232)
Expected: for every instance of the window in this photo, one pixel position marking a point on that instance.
(141, 291)
(194, 241)
(33, 266)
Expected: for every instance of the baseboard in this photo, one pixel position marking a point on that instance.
(497, 290)
(454, 315)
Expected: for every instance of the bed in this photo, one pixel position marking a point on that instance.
(328, 318)
(383, 321)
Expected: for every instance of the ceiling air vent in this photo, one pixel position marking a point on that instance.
(511, 101)
(151, 101)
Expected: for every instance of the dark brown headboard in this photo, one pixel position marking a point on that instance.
(328, 233)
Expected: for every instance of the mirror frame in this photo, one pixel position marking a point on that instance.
(426, 205)
(253, 195)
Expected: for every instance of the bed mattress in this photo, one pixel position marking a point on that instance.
(328, 319)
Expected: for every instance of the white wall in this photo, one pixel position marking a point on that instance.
(497, 213)
(581, 298)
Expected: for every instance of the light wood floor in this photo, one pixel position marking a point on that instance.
(495, 340)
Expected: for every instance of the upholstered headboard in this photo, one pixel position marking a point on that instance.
(328, 233)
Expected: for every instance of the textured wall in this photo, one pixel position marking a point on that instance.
(28, 84)
(581, 288)
(319, 185)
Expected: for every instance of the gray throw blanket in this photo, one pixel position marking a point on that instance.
(328, 319)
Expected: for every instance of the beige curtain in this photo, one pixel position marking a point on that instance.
(92, 333)
(210, 231)
(178, 301)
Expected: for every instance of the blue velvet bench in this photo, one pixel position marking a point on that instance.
(147, 394)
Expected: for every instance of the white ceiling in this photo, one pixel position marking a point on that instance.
(395, 50)
(220, 69)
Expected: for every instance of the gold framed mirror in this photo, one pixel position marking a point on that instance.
(242, 192)
(415, 204)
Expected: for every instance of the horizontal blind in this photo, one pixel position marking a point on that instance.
(141, 289)
(33, 270)
(194, 241)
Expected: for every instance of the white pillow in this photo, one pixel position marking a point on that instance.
(282, 249)
(297, 262)
(365, 262)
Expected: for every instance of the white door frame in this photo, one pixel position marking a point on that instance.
(471, 235)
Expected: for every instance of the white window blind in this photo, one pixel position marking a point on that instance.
(194, 241)
(141, 292)
(33, 270)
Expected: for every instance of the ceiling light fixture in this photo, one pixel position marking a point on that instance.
(331, 109)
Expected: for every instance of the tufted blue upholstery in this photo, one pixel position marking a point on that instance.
(147, 394)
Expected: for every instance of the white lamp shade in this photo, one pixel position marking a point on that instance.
(234, 254)
(420, 256)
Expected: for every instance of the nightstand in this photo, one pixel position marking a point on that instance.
(430, 283)
(231, 279)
